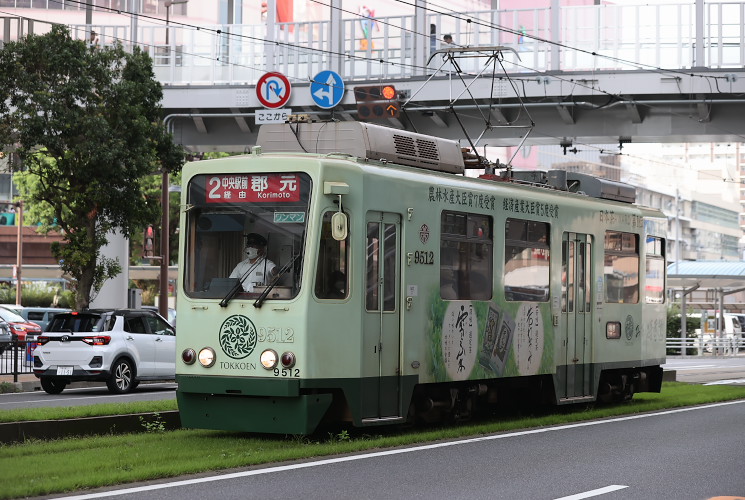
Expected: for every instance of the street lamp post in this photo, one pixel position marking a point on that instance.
(19, 256)
(167, 5)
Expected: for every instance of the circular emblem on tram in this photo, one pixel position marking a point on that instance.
(424, 233)
(237, 336)
(629, 327)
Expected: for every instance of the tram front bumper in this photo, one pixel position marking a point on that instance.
(249, 405)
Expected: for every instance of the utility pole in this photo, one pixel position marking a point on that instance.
(164, 247)
(19, 257)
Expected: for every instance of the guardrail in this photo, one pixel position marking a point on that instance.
(715, 346)
(17, 358)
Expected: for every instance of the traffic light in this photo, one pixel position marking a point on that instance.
(148, 242)
(376, 102)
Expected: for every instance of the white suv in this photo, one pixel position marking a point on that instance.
(120, 347)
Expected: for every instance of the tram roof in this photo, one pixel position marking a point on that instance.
(706, 274)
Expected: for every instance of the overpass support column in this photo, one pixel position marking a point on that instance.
(421, 36)
(698, 53)
(683, 316)
(336, 37)
(555, 34)
(271, 36)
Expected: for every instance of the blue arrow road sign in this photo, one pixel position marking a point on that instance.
(327, 89)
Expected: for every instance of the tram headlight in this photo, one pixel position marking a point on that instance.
(269, 359)
(207, 357)
(288, 359)
(189, 356)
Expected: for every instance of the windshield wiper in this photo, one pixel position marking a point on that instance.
(238, 285)
(281, 273)
(231, 294)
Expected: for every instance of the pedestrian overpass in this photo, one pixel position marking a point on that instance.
(600, 74)
(582, 75)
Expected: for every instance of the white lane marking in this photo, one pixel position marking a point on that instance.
(727, 382)
(594, 493)
(92, 396)
(351, 458)
(691, 367)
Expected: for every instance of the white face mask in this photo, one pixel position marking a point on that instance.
(252, 252)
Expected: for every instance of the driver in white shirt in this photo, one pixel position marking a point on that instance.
(256, 269)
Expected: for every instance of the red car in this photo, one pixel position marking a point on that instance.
(18, 325)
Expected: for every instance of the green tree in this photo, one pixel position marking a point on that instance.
(86, 123)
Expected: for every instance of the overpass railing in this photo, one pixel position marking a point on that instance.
(579, 38)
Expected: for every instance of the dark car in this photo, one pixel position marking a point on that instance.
(171, 314)
(5, 336)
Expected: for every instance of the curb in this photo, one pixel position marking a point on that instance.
(35, 384)
(13, 432)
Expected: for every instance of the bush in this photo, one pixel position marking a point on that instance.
(674, 327)
(35, 295)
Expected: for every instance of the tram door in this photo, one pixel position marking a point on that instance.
(576, 312)
(381, 338)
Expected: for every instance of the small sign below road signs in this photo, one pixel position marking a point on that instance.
(272, 115)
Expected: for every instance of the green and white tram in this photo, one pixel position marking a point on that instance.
(391, 288)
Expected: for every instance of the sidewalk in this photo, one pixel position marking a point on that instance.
(27, 382)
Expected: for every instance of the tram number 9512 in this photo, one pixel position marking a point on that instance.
(424, 257)
(287, 372)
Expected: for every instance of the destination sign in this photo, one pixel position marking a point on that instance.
(253, 188)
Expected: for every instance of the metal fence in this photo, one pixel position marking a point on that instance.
(17, 359)
(714, 346)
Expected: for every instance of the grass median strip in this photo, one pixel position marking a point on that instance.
(98, 410)
(90, 462)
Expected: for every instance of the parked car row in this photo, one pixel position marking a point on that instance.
(733, 328)
(120, 347)
(19, 325)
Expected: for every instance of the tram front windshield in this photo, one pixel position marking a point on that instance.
(244, 234)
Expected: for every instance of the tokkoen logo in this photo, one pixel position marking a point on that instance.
(237, 336)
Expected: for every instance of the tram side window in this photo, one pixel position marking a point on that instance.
(332, 265)
(526, 260)
(466, 256)
(621, 267)
(654, 286)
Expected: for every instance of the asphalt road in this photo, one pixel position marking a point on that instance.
(708, 370)
(82, 396)
(693, 370)
(692, 453)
